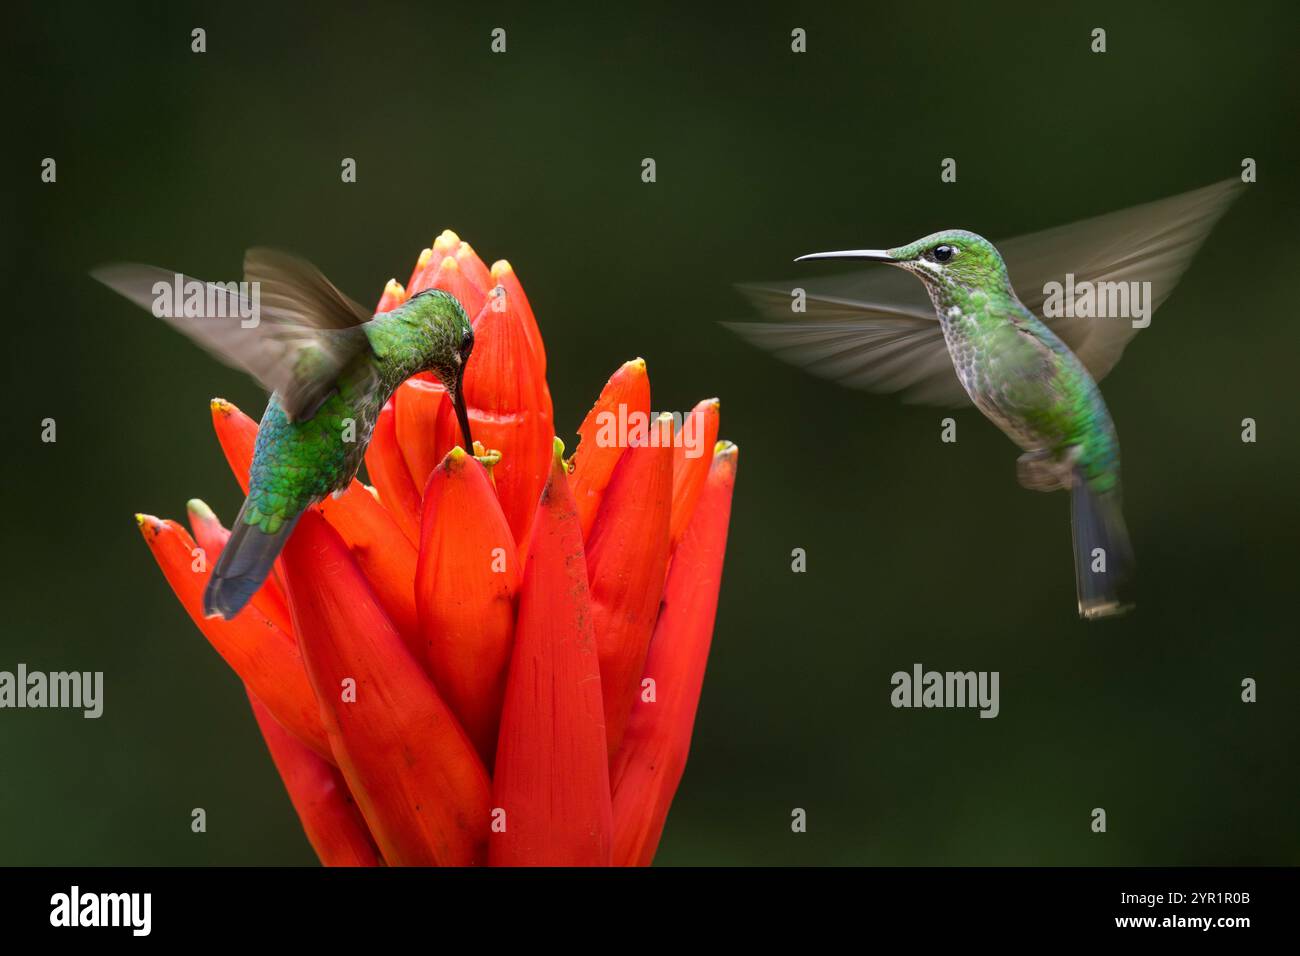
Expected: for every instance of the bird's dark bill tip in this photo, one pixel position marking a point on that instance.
(462, 416)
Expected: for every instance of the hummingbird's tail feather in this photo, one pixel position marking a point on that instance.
(1104, 569)
(245, 562)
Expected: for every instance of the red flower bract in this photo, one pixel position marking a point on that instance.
(483, 656)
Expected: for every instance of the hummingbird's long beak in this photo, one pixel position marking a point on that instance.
(462, 413)
(875, 255)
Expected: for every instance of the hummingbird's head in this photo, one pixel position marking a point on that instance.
(950, 263)
(451, 342)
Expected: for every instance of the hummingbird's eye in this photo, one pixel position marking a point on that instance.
(942, 253)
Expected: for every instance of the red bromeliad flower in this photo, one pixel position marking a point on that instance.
(483, 659)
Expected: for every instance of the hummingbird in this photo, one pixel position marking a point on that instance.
(330, 367)
(1025, 325)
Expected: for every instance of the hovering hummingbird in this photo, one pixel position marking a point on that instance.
(329, 366)
(1027, 331)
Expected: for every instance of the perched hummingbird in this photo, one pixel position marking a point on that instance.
(1033, 376)
(329, 366)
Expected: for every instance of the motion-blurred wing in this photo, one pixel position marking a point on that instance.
(295, 291)
(876, 346)
(868, 329)
(305, 331)
(1153, 242)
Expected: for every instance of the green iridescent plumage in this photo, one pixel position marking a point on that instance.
(1034, 378)
(330, 366)
(296, 463)
(1015, 369)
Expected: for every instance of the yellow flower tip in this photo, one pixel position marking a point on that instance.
(455, 456)
(726, 449)
(557, 450)
(222, 406)
(446, 244)
(395, 289)
(199, 511)
(448, 264)
(423, 259)
(501, 267)
(374, 492)
(465, 250)
(148, 524)
(664, 438)
(486, 456)
(637, 364)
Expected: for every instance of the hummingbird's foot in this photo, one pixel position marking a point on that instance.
(1040, 470)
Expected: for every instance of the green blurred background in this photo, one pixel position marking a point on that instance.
(918, 551)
